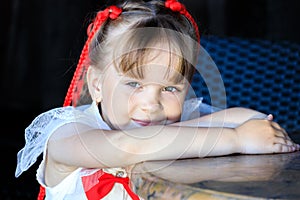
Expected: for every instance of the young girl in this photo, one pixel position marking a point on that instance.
(128, 96)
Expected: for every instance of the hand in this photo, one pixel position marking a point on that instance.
(264, 136)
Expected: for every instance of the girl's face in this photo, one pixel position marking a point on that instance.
(155, 99)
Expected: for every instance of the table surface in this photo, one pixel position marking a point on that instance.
(270, 176)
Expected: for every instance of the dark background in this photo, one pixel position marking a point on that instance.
(41, 42)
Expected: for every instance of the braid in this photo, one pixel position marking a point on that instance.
(76, 76)
(111, 12)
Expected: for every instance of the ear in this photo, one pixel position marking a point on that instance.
(94, 81)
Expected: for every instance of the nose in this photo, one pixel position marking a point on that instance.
(150, 101)
(151, 107)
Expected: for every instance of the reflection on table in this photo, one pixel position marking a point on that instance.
(275, 176)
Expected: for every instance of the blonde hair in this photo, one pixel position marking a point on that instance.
(141, 28)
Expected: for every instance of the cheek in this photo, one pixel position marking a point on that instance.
(111, 98)
(123, 101)
(118, 101)
(173, 107)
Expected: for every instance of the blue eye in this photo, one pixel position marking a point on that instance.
(134, 84)
(170, 89)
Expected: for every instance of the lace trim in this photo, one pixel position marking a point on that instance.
(38, 132)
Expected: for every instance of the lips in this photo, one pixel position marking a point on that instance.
(142, 122)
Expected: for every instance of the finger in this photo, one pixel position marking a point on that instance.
(287, 142)
(279, 130)
(276, 125)
(286, 134)
(281, 148)
(283, 141)
(282, 133)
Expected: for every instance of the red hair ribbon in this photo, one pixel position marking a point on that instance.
(176, 6)
(111, 12)
(105, 185)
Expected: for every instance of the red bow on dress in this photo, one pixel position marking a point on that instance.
(105, 185)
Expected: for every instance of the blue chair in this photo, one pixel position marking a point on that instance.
(259, 74)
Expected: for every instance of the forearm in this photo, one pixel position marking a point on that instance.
(167, 143)
(185, 142)
(98, 148)
(230, 118)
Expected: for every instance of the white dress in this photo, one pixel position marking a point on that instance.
(75, 185)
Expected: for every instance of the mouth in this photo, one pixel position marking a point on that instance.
(146, 122)
(142, 122)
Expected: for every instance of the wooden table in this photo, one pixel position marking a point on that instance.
(273, 176)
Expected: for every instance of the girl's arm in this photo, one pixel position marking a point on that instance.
(90, 148)
(231, 117)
